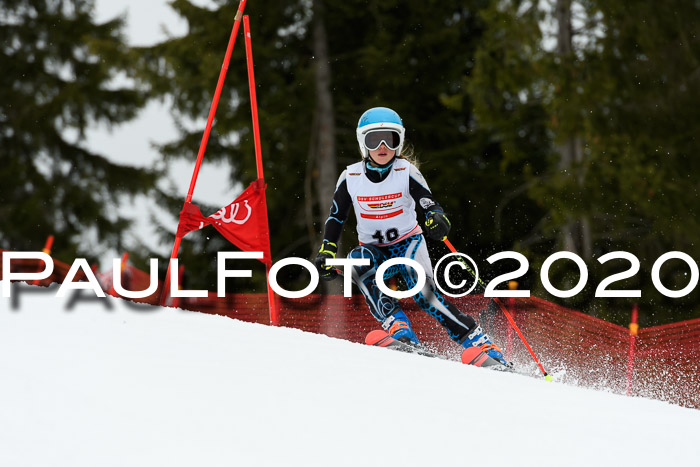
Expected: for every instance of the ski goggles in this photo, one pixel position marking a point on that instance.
(390, 138)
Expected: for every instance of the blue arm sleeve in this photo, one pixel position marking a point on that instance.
(340, 207)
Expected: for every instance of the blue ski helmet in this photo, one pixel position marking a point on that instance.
(375, 119)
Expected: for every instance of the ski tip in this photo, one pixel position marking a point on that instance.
(476, 357)
(379, 338)
(473, 356)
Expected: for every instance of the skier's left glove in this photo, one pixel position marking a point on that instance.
(328, 250)
(437, 225)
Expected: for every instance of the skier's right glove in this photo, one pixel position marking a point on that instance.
(328, 250)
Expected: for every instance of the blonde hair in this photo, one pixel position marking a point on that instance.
(409, 154)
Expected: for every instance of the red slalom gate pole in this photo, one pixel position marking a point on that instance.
(634, 330)
(180, 274)
(253, 94)
(274, 314)
(505, 312)
(47, 249)
(512, 285)
(122, 266)
(205, 138)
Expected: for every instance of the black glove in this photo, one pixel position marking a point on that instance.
(437, 225)
(327, 250)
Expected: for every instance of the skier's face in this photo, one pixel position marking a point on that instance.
(382, 155)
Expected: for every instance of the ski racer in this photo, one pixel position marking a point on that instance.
(384, 189)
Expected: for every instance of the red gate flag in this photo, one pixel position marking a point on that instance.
(243, 222)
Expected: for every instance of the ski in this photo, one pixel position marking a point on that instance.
(381, 338)
(476, 357)
(471, 356)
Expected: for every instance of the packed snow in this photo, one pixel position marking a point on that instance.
(103, 382)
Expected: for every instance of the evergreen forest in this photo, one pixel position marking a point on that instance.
(559, 125)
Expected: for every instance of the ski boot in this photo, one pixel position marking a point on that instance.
(399, 327)
(477, 338)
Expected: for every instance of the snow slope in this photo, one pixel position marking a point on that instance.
(88, 386)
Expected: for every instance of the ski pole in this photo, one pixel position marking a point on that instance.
(495, 299)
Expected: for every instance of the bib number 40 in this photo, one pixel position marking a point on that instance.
(389, 236)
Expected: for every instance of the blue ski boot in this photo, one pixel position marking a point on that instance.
(477, 338)
(399, 327)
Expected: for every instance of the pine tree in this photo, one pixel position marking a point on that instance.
(58, 77)
(606, 96)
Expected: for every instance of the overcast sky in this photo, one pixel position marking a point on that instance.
(131, 143)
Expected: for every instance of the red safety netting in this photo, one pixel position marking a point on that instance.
(131, 279)
(574, 347)
(60, 270)
(667, 363)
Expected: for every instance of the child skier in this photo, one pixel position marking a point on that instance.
(384, 189)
